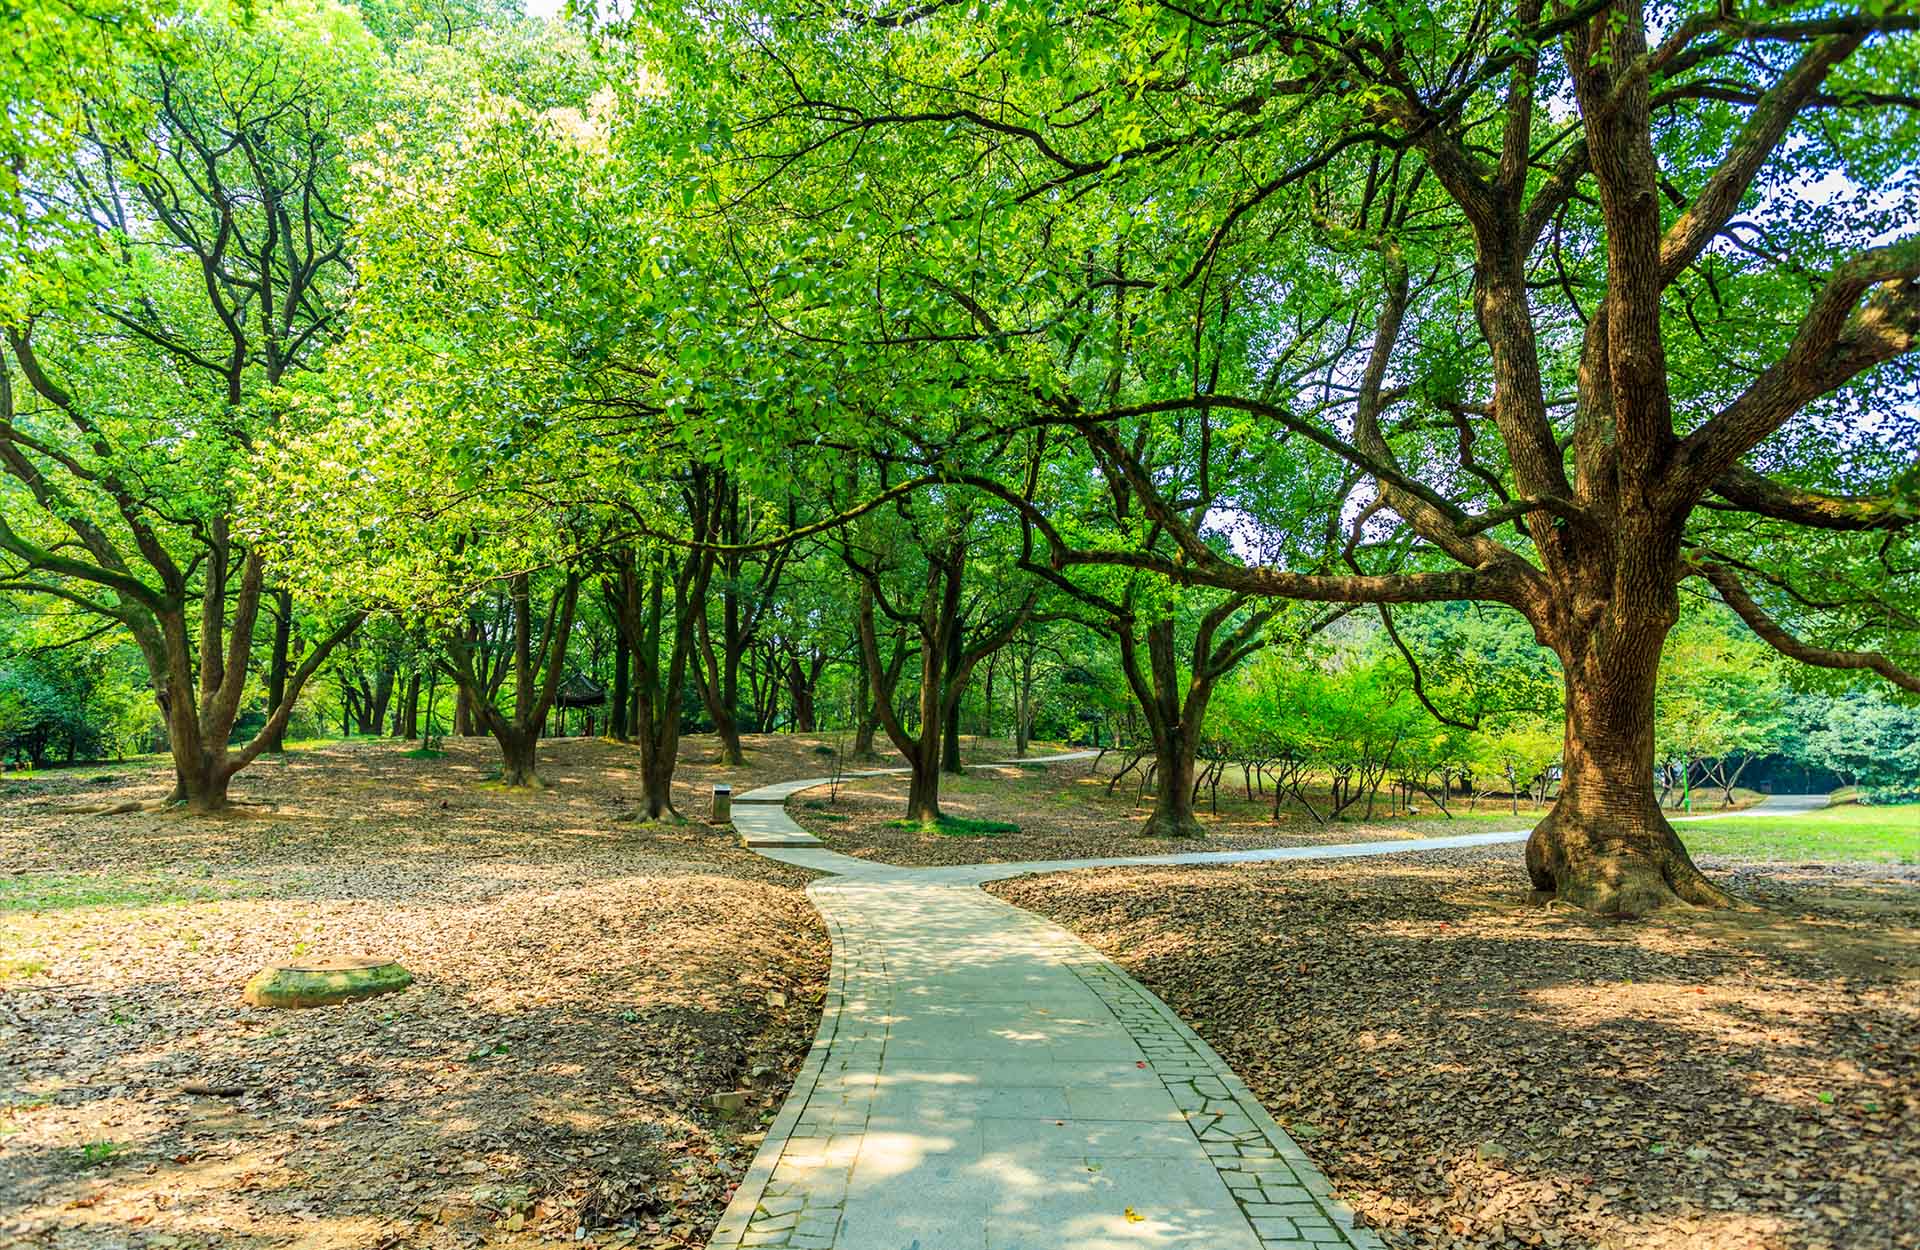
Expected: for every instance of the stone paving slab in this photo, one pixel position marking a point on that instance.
(984, 1080)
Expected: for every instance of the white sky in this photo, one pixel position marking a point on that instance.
(543, 8)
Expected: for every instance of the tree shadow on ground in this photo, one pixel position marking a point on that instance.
(1476, 1072)
(583, 987)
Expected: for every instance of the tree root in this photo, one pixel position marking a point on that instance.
(671, 816)
(126, 808)
(1160, 826)
(1620, 881)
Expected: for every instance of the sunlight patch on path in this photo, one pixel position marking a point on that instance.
(984, 1080)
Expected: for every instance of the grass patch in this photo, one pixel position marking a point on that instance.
(95, 1153)
(957, 827)
(33, 892)
(423, 753)
(1888, 834)
(21, 968)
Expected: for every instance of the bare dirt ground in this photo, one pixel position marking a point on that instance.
(583, 987)
(1064, 811)
(1475, 1072)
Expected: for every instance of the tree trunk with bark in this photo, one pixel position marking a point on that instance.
(1173, 723)
(617, 706)
(537, 665)
(865, 723)
(1173, 696)
(1606, 846)
(1173, 786)
(944, 668)
(649, 622)
(278, 666)
(200, 717)
(867, 715)
(745, 597)
(376, 718)
(519, 757)
(950, 728)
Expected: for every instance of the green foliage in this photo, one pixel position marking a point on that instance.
(1722, 693)
(958, 827)
(65, 695)
(1870, 738)
(407, 299)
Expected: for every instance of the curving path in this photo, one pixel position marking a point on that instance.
(984, 1080)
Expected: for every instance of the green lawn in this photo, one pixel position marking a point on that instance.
(1889, 834)
(958, 827)
(34, 892)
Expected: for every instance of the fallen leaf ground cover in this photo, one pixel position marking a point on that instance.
(584, 986)
(1475, 1072)
(1065, 811)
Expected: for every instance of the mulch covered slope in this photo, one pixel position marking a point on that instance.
(1475, 1072)
(584, 986)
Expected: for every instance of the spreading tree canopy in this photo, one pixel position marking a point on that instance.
(1580, 304)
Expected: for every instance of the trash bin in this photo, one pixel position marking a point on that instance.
(722, 804)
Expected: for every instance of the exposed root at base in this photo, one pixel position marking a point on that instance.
(669, 817)
(116, 809)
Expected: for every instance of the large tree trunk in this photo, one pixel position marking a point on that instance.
(617, 707)
(1173, 815)
(873, 685)
(659, 749)
(406, 716)
(204, 787)
(537, 673)
(950, 730)
(200, 722)
(950, 742)
(518, 756)
(803, 680)
(923, 789)
(735, 643)
(200, 769)
(1173, 721)
(376, 718)
(656, 792)
(726, 726)
(1605, 846)
(716, 678)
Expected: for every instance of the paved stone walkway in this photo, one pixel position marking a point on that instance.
(984, 1080)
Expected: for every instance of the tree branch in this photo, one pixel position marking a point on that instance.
(1770, 631)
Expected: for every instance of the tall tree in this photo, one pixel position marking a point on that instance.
(1536, 278)
(915, 573)
(182, 258)
(537, 662)
(656, 599)
(749, 585)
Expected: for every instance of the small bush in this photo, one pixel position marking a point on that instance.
(95, 1153)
